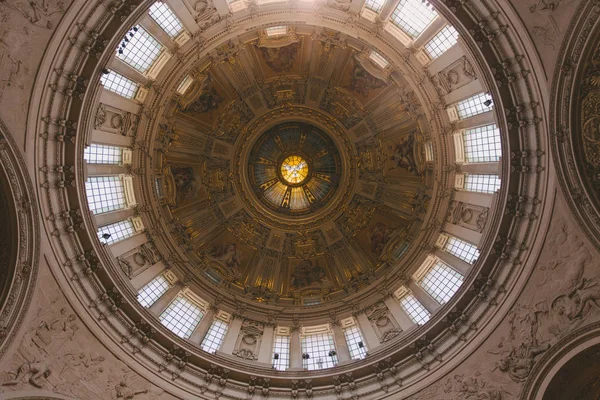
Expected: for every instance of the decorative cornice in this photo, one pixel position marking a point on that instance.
(23, 207)
(400, 363)
(579, 37)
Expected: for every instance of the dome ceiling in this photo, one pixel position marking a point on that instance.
(196, 121)
(329, 114)
(294, 169)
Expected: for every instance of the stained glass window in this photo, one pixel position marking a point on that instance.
(294, 169)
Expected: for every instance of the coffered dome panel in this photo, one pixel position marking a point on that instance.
(297, 191)
(294, 168)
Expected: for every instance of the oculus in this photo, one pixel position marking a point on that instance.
(294, 168)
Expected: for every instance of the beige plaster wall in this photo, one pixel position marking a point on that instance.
(561, 296)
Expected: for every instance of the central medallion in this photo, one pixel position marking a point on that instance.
(294, 168)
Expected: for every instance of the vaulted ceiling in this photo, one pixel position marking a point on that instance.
(304, 199)
(319, 79)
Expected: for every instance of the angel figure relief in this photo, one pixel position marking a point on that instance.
(476, 386)
(566, 297)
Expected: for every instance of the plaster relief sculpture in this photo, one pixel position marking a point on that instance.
(114, 120)
(248, 341)
(58, 354)
(204, 12)
(33, 372)
(37, 12)
(24, 25)
(342, 5)
(383, 322)
(550, 30)
(125, 267)
(466, 387)
(123, 391)
(567, 296)
(16, 71)
(588, 131)
(454, 76)
(467, 215)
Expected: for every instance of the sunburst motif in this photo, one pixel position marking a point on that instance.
(294, 169)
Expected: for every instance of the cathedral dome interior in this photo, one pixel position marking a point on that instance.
(299, 199)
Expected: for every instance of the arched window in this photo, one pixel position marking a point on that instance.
(281, 352)
(461, 249)
(318, 348)
(474, 105)
(355, 342)
(103, 154)
(374, 5)
(112, 233)
(482, 144)
(139, 49)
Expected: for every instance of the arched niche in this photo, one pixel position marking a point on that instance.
(19, 239)
(578, 378)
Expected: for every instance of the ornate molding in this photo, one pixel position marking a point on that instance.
(564, 118)
(24, 273)
(397, 370)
